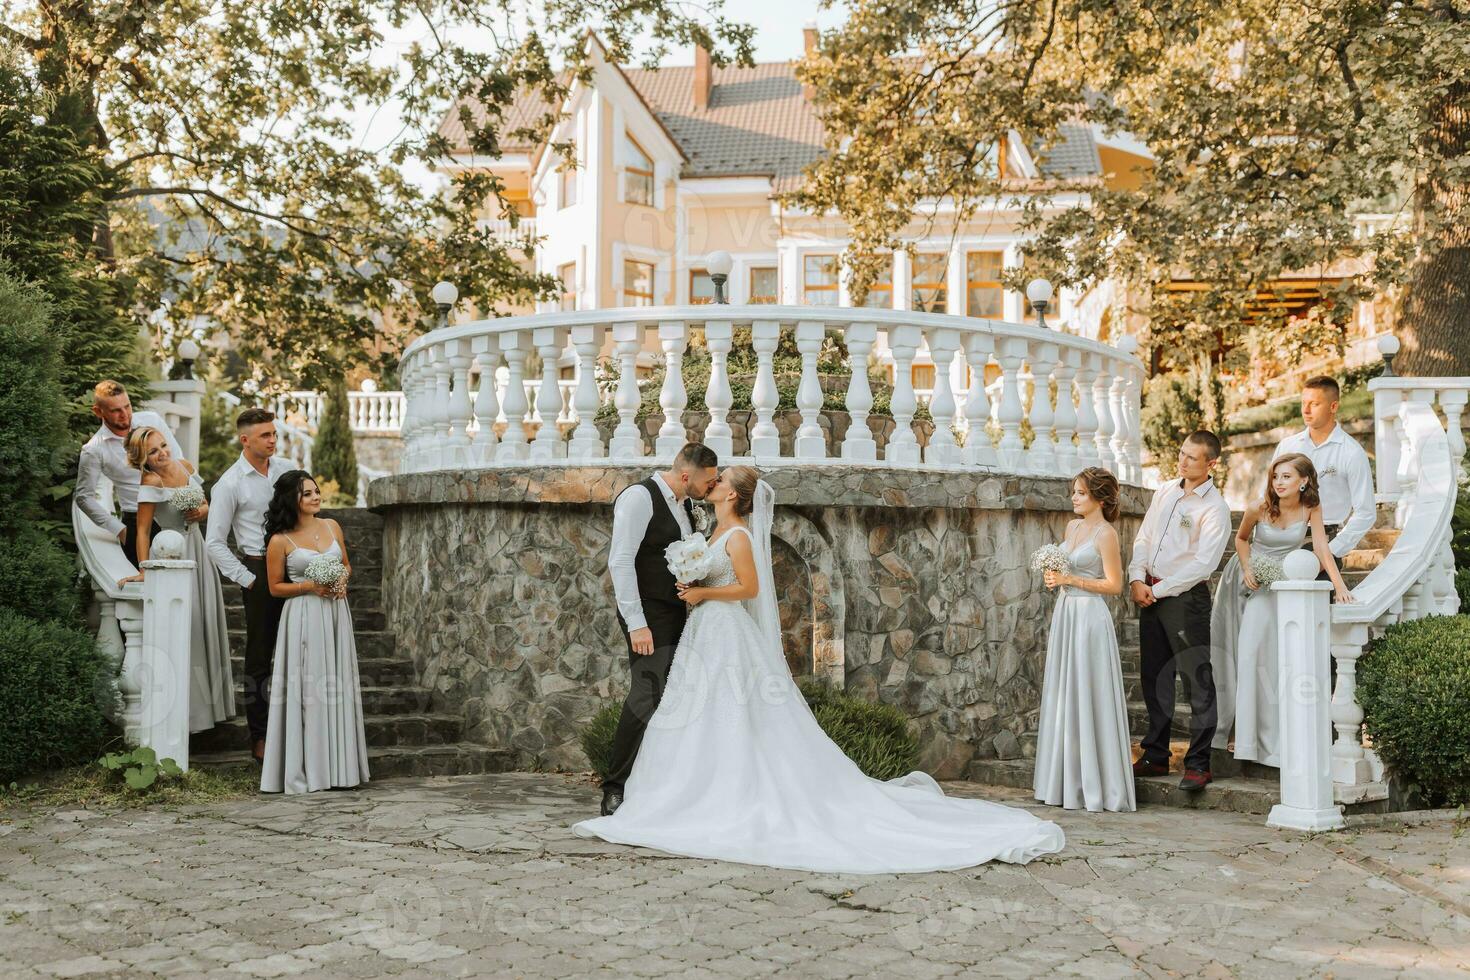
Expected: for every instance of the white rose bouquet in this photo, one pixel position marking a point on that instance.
(1050, 558)
(327, 570)
(1266, 570)
(689, 559)
(186, 498)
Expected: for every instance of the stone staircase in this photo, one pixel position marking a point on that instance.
(1244, 787)
(405, 736)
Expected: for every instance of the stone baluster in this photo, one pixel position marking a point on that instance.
(903, 445)
(626, 442)
(1350, 765)
(514, 344)
(1011, 354)
(765, 439)
(168, 593)
(810, 443)
(458, 445)
(1452, 403)
(673, 337)
(1130, 422)
(1066, 413)
(132, 679)
(396, 407)
(406, 421)
(719, 335)
(547, 445)
(586, 444)
(1102, 389)
(439, 444)
(944, 344)
(978, 449)
(1041, 458)
(487, 405)
(1086, 411)
(1387, 438)
(859, 445)
(1116, 395)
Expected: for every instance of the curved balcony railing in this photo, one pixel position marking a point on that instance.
(1082, 404)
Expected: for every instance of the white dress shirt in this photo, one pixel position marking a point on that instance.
(106, 454)
(238, 503)
(631, 513)
(1345, 478)
(1182, 538)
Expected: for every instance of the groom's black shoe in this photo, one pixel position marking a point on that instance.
(611, 800)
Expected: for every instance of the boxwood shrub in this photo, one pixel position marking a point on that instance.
(53, 685)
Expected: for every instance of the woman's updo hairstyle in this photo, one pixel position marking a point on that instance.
(136, 446)
(1101, 486)
(743, 480)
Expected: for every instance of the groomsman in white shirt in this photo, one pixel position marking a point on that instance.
(1175, 552)
(1349, 509)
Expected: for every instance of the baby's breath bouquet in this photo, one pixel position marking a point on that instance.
(1050, 558)
(326, 570)
(689, 559)
(1267, 570)
(186, 498)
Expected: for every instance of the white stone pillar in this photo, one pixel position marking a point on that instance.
(1302, 614)
(627, 442)
(1350, 765)
(1130, 422)
(719, 335)
(903, 445)
(943, 450)
(1102, 392)
(1087, 412)
(978, 448)
(1119, 442)
(1387, 437)
(1011, 354)
(458, 444)
(439, 449)
(168, 595)
(487, 405)
(858, 445)
(765, 438)
(809, 443)
(515, 345)
(1041, 458)
(673, 337)
(549, 341)
(586, 443)
(1066, 412)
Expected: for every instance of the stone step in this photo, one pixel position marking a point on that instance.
(363, 591)
(371, 644)
(364, 618)
(385, 671)
(390, 699)
(1138, 718)
(390, 729)
(390, 761)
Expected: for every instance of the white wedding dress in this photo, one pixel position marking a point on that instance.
(734, 766)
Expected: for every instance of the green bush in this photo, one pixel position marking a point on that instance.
(332, 453)
(1462, 588)
(32, 409)
(40, 578)
(1414, 686)
(875, 736)
(54, 684)
(1171, 411)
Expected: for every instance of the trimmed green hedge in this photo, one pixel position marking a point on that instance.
(875, 736)
(53, 687)
(40, 578)
(1414, 686)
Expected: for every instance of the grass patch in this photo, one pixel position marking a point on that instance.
(1357, 403)
(91, 787)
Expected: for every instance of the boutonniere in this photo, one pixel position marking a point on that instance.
(1329, 471)
(701, 519)
(1185, 522)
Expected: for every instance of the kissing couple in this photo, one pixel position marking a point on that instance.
(702, 769)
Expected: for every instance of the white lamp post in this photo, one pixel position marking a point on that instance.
(1039, 293)
(718, 265)
(1388, 346)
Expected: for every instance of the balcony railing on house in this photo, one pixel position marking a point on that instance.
(1083, 399)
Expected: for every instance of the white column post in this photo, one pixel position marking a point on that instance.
(1102, 389)
(627, 442)
(405, 421)
(943, 450)
(439, 451)
(765, 439)
(168, 593)
(809, 443)
(1119, 441)
(1386, 439)
(487, 406)
(458, 451)
(515, 344)
(978, 449)
(129, 615)
(1452, 402)
(549, 341)
(1010, 355)
(1041, 458)
(1130, 423)
(673, 336)
(719, 335)
(1066, 412)
(903, 445)
(586, 442)
(1349, 763)
(858, 445)
(1302, 615)
(1086, 412)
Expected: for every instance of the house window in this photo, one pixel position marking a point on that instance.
(567, 182)
(763, 284)
(819, 280)
(922, 375)
(701, 287)
(931, 269)
(637, 283)
(984, 295)
(880, 293)
(568, 276)
(638, 175)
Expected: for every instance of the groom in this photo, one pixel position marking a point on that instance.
(648, 517)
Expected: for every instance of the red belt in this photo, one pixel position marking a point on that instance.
(1151, 580)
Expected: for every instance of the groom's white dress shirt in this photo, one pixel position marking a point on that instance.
(238, 503)
(106, 454)
(1182, 538)
(1345, 479)
(631, 513)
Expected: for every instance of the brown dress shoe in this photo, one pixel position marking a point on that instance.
(1195, 780)
(257, 750)
(1145, 768)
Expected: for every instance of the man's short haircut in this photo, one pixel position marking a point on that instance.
(1206, 440)
(108, 389)
(1325, 384)
(696, 456)
(253, 416)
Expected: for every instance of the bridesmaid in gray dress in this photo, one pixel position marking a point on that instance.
(1084, 757)
(314, 736)
(211, 682)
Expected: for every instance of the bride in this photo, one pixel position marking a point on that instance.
(735, 767)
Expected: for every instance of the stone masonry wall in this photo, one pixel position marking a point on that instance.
(916, 592)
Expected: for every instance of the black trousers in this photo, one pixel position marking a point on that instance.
(1174, 638)
(130, 539)
(262, 619)
(648, 676)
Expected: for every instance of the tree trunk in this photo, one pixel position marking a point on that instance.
(1434, 315)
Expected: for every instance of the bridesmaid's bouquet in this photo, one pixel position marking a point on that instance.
(326, 570)
(689, 558)
(1050, 558)
(1267, 570)
(186, 498)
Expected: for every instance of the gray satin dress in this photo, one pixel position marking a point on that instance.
(1257, 699)
(314, 736)
(211, 683)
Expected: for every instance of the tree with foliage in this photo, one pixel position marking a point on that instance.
(332, 452)
(1268, 124)
(228, 180)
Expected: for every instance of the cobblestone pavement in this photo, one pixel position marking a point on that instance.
(480, 876)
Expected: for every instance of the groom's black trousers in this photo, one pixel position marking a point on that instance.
(648, 675)
(1174, 637)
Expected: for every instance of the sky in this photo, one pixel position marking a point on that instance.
(778, 37)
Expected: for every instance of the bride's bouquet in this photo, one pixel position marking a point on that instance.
(1050, 558)
(186, 498)
(1267, 570)
(689, 558)
(326, 570)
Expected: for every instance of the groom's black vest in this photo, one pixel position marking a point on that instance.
(655, 581)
